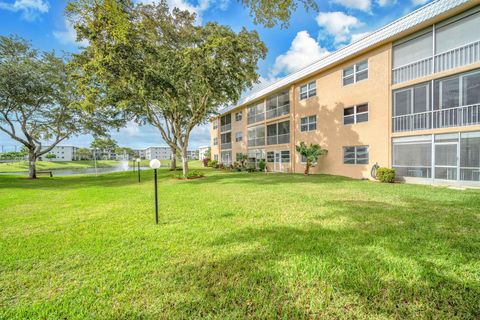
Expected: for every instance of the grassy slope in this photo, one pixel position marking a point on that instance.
(21, 166)
(237, 245)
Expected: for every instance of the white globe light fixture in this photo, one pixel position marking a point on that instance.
(138, 160)
(155, 164)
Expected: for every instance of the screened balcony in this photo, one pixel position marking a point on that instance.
(226, 123)
(448, 45)
(278, 105)
(278, 133)
(226, 139)
(256, 136)
(456, 103)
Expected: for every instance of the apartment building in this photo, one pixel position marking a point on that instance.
(160, 153)
(407, 96)
(61, 153)
(202, 151)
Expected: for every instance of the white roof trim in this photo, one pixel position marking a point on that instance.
(409, 21)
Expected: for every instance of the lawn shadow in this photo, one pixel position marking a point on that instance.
(363, 266)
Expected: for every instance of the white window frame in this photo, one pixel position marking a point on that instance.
(356, 158)
(215, 141)
(308, 90)
(305, 127)
(215, 124)
(238, 116)
(355, 73)
(238, 136)
(356, 113)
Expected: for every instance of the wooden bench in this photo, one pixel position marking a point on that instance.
(50, 173)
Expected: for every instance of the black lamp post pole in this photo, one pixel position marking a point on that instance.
(138, 169)
(156, 196)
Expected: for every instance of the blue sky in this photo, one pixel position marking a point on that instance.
(309, 37)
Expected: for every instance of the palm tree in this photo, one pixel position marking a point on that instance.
(311, 154)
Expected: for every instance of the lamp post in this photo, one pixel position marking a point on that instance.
(138, 168)
(155, 164)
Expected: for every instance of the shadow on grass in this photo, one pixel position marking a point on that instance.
(352, 263)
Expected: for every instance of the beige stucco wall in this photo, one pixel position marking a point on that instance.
(332, 97)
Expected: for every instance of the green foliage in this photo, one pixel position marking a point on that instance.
(50, 156)
(104, 144)
(159, 66)
(277, 12)
(212, 163)
(386, 175)
(311, 153)
(191, 175)
(262, 165)
(12, 155)
(84, 153)
(208, 153)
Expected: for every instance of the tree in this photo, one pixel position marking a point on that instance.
(125, 151)
(50, 156)
(105, 145)
(160, 66)
(38, 102)
(84, 154)
(208, 153)
(311, 154)
(277, 12)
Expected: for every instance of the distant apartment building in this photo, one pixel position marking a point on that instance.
(160, 153)
(61, 153)
(202, 152)
(139, 153)
(192, 154)
(406, 96)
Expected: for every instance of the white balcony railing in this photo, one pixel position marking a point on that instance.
(226, 127)
(412, 71)
(458, 57)
(279, 111)
(444, 118)
(256, 142)
(226, 146)
(461, 56)
(279, 139)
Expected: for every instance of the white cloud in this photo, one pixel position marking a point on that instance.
(30, 9)
(132, 128)
(69, 35)
(363, 5)
(386, 3)
(338, 25)
(419, 2)
(303, 51)
(198, 9)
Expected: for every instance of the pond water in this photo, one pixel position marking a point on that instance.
(69, 172)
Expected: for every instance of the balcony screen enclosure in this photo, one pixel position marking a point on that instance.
(452, 157)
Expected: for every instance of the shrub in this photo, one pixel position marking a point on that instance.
(190, 175)
(206, 161)
(262, 165)
(386, 175)
(220, 166)
(212, 163)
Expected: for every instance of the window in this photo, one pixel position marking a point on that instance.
(308, 90)
(415, 48)
(226, 139)
(238, 136)
(215, 124)
(278, 133)
(412, 156)
(238, 156)
(256, 136)
(215, 157)
(215, 141)
(270, 156)
(355, 155)
(459, 90)
(355, 73)
(278, 105)
(256, 113)
(226, 157)
(238, 116)
(283, 156)
(308, 123)
(226, 123)
(355, 114)
(457, 33)
(470, 156)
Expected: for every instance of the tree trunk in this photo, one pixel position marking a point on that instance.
(307, 169)
(173, 163)
(32, 164)
(184, 161)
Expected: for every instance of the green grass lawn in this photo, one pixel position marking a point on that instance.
(237, 245)
(22, 166)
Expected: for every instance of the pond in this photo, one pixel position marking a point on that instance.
(69, 172)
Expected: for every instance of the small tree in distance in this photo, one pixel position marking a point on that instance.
(311, 154)
(50, 156)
